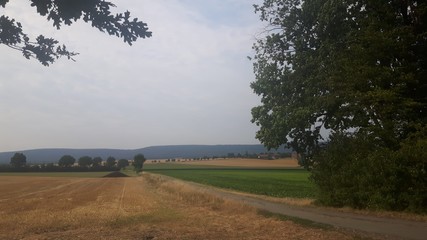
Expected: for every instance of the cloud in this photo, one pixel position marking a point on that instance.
(189, 83)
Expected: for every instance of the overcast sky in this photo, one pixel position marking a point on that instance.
(188, 84)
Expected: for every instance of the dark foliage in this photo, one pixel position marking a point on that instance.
(358, 70)
(18, 160)
(354, 171)
(96, 161)
(122, 163)
(66, 161)
(85, 161)
(138, 162)
(111, 161)
(96, 12)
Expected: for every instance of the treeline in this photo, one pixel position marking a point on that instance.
(267, 156)
(50, 167)
(67, 163)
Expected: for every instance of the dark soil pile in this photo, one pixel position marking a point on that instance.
(115, 174)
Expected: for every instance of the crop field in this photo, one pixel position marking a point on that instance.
(144, 207)
(291, 183)
(275, 178)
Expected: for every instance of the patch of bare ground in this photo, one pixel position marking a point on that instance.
(115, 174)
(147, 207)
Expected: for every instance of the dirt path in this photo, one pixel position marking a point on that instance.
(387, 227)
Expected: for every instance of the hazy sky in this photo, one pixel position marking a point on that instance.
(188, 84)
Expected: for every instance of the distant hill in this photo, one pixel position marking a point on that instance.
(154, 152)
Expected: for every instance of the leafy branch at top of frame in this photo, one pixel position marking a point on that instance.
(97, 12)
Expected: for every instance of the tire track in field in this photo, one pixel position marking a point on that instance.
(122, 196)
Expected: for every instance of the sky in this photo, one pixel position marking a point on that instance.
(187, 84)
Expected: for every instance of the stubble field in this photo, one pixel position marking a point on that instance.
(237, 162)
(147, 207)
(245, 162)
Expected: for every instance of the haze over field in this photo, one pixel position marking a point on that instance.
(188, 84)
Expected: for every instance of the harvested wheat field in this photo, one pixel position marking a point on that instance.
(245, 162)
(145, 207)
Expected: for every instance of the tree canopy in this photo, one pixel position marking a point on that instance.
(96, 12)
(343, 66)
(85, 161)
(66, 161)
(18, 160)
(110, 162)
(353, 70)
(138, 162)
(96, 161)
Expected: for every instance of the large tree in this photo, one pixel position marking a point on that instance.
(138, 162)
(111, 161)
(353, 70)
(96, 161)
(66, 161)
(85, 161)
(60, 12)
(18, 160)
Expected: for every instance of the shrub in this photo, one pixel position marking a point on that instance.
(357, 171)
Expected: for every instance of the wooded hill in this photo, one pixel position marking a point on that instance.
(154, 152)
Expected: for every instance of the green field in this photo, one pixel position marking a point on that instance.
(272, 182)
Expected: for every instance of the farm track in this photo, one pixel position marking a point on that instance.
(373, 226)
